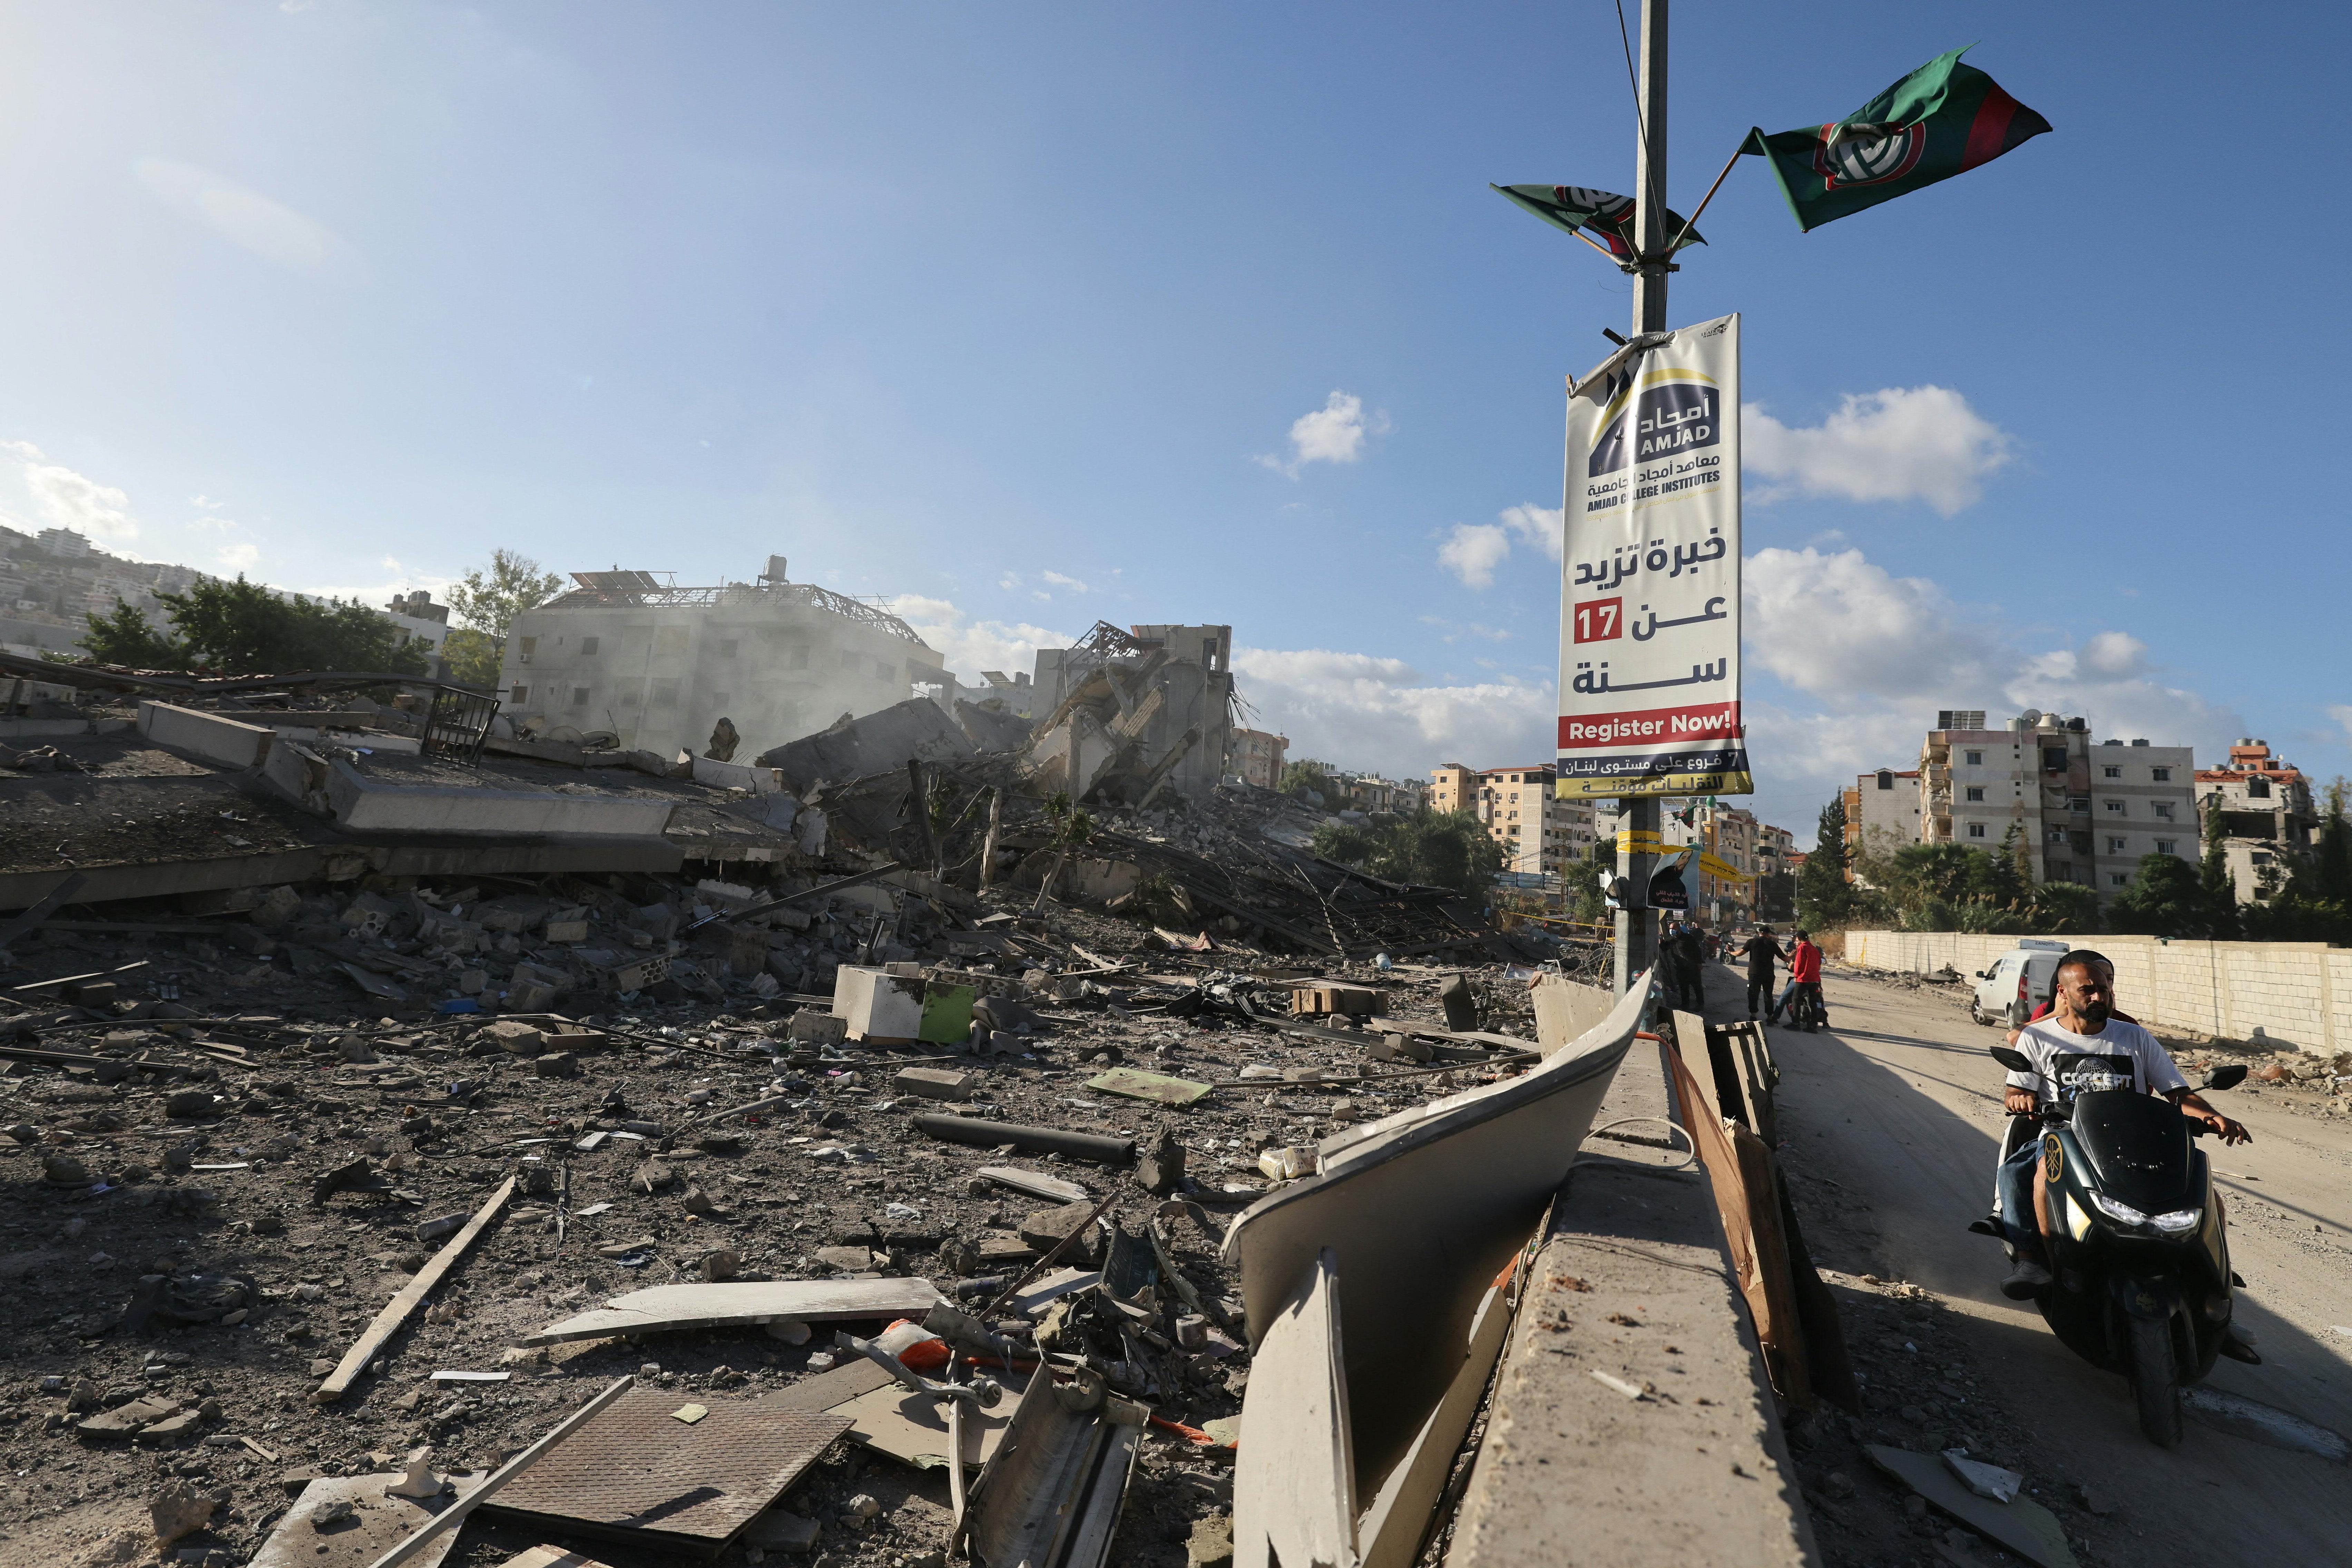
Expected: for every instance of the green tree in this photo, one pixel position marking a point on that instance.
(2331, 861)
(1438, 849)
(1307, 774)
(485, 603)
(2068, 907)
(2167, 897)
(2215, 885)
(127, 637)
(244, 628)
(1776, 896)
(1825, 899)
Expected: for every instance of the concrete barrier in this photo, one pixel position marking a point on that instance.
(2294, 994)
(1574, 1470)
(365, 804)
(207, 737)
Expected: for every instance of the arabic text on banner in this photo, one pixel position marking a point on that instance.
(1649, 633)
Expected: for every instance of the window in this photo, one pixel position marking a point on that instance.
(1973, 759)
(530, 646)
(2258, 789)
(2164, 809)
(2079, 804)
(1885, 778)
(521, 695)
(2118, 880)
(2259, 857)
(587, 648)
(580, 697)
(2161, 775)
(2167, 846)
(2115, 845)
(665, 694)
(2055, 835)
(1974, 792)
(2054, 759)
(2114, 807)
(2111, 773)
(727, 646)
(630, 693)
(671, 639)
(1976, 830)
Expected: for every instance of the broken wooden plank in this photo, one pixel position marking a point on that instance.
(1157, 1088)
(1036, 1183)
(450, 1518)
(664, 1309)
(396, 1312)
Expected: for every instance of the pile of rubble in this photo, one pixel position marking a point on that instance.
(335, 1200)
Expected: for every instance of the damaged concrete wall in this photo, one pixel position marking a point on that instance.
(1130, 710)
(660, 666)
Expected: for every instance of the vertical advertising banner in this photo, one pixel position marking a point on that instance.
(1649, 602)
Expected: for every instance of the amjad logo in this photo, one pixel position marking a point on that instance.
(1849, 155)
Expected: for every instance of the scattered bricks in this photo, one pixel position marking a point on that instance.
(557, 1064)
(355, 1048)
(514, 1037)
(849, 1260)
(1461, 1005)
(1192, 1333)
(1160, 1170)
(1048, 1229)
(172, 1427)
(1212, 1542)
(125, 1419)
(567, 930)
(1402, 1049)
(656, 920)
(934, 1083)
(180, 1509)
(811, 1026)
(473, 982)
(1320, 1000)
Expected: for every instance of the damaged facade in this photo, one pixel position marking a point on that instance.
(657, 666)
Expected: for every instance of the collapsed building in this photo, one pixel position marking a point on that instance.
(656, 666)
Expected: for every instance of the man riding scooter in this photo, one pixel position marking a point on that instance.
(2083, 1022)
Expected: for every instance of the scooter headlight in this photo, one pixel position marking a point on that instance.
(2178, 1220)
(2123, 1213)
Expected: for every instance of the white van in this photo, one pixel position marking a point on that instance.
(2018, 982)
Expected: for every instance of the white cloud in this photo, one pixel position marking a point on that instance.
(246, 218)
(68, 499)
(1060, 581)
(1837, 626)
(1366, 711)
(1335, 433)
(1898, 444)
(968, 646)
(1472, 551)
(240, 557)
(2342, 714)
(205, 503)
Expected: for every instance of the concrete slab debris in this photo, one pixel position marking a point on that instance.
(372, 1522)
(1157, 1088)
(2022, 1525)
(669, 1309)
(1036, 1183)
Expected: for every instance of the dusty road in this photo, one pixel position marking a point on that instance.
(1900, 1105)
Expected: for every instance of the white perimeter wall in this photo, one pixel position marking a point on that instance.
(2296, 993)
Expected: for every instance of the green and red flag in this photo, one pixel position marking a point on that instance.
(1603, 213)
(1942, 120)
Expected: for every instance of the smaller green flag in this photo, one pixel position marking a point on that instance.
(1942, 120)
(1577, 207)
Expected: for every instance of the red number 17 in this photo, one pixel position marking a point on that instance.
(1600, 620)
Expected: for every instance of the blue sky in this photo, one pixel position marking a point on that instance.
(1016, 314)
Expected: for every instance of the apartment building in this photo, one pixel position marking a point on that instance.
(1881, 814)
(1733, 837)
(1257, 758)
(2082, 813)
(658, 665)
(2267, 816)
(1540, 834)
(1453, 787)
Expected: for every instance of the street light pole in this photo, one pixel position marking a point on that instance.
(1636, 926)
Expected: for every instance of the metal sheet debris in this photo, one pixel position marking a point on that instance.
(1157, 1088)
(634, 1472)
(377, 1523)
(671, 1308)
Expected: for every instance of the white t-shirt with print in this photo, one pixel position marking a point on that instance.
(2044, 1042)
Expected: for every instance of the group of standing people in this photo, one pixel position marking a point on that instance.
(1684, 951)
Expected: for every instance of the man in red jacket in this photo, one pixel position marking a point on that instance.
(1804, 984)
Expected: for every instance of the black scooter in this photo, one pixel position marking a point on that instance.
(2140, 1261)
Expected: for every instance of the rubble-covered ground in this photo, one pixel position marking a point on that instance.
(168, 1234)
